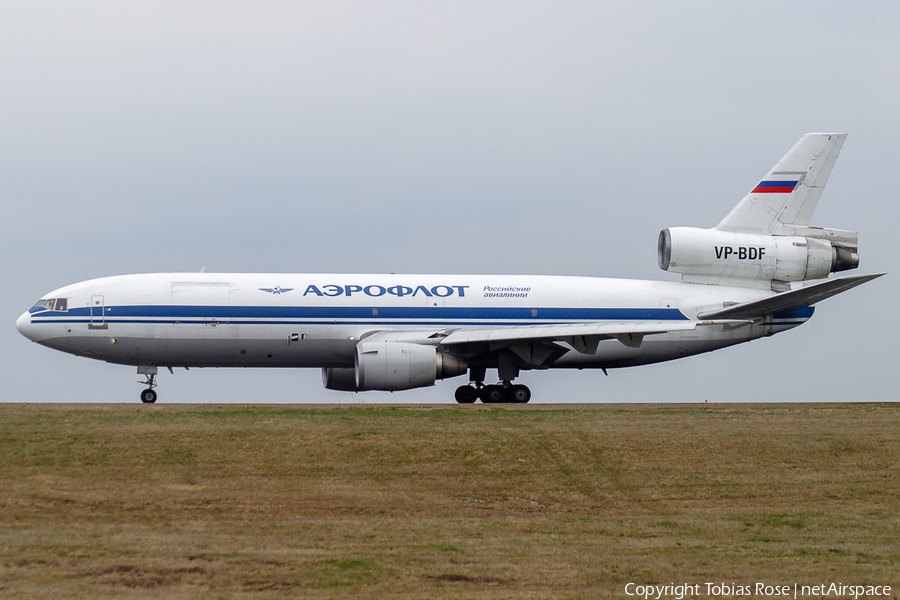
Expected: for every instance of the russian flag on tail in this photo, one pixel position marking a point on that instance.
(775, 187)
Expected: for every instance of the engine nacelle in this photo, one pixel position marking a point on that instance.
(704, 254)
(393, 366)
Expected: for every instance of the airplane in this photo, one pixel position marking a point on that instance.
(399, 332)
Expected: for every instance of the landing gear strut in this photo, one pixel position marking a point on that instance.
(468, 394)
(148, 396)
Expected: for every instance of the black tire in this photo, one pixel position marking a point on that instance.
(466, 394)
(148, 396)
(492, 394)
(520, 394)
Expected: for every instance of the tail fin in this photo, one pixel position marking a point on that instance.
(766, 240)
(784, 201)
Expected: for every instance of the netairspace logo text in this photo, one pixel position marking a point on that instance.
(686, 590)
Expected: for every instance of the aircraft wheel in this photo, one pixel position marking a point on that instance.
(492, 394)
(466, 394)
(520, 394)
(148, 396)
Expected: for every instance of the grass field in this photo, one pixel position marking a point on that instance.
(132, 501)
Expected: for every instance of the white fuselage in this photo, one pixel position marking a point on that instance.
(316, 320)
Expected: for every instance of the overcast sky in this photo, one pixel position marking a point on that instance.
(482, 137)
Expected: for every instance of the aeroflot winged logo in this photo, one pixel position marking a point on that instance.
(276, 290)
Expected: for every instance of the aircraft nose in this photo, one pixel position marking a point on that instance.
(23, 324)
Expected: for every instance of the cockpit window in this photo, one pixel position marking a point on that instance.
(54, 304)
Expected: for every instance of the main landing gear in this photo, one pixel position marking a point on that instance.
(493, 394)
(148, 396)
(501, 393)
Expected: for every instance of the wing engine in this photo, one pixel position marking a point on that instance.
(393, 366)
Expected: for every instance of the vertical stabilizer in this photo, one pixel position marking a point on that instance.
(790, 191)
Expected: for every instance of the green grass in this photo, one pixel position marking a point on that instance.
(442, 502)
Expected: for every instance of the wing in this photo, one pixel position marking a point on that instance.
(541, 345)
(628, 332)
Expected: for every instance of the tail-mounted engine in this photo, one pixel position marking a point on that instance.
(711, 255)
(393, 366)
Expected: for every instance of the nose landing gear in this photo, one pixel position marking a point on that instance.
(148, 396)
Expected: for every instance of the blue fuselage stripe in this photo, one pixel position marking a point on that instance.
(236, 314)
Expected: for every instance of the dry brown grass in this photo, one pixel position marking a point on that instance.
(442, 502)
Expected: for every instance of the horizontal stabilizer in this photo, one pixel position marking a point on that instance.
(790, 301)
